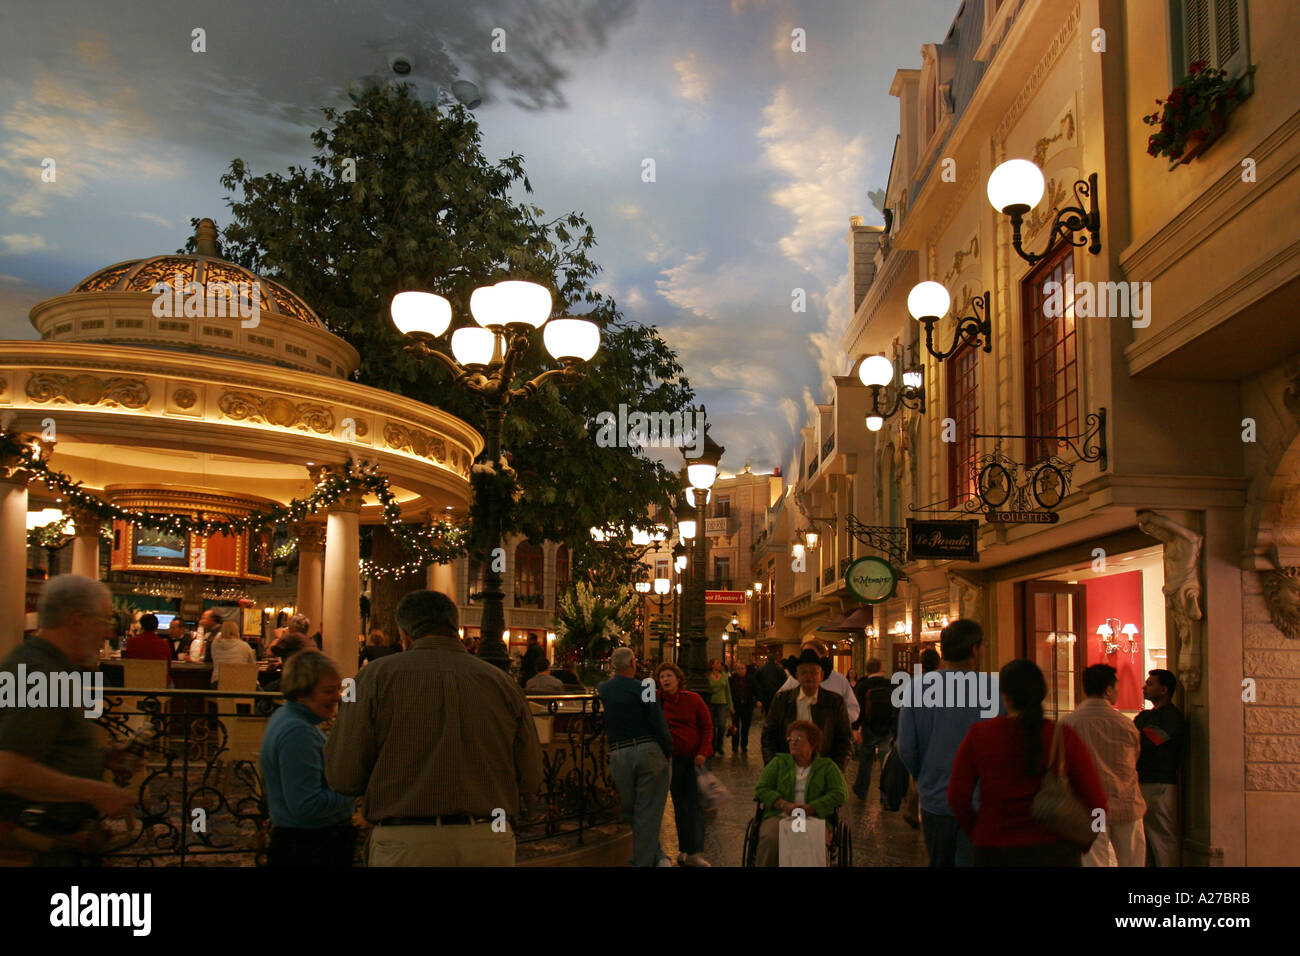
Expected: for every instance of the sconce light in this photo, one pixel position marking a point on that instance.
(749, 593)
(679, 563)
(928, 302)
(758, 587)
(1130, 630)
(1107, 631)
(877, 372)
(1016, 187)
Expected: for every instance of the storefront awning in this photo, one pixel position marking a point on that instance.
(856, 620)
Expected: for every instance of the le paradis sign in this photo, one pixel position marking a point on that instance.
(943, 540)
(872, 580)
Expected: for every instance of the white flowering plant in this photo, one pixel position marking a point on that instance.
(591, 620)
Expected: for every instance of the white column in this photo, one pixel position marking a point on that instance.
(13, 561)
(85, 545)
(311, 536)
(340, 602)
(442, 577)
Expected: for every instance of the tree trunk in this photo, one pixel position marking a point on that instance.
(387, 590)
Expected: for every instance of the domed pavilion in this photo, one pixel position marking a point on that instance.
(186, 384)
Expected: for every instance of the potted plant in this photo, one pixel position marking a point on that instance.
(1193, 115)
(592, 621)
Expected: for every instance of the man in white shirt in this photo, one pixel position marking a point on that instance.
(835, 682)
(208, 629)
(1115, 743)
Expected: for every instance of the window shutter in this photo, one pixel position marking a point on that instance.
(1231, 52)
(1196, 33)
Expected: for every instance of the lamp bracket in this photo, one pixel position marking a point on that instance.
(970, 328)
(1068, 224)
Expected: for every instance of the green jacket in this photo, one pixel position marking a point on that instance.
(721, 689)
(825, 792)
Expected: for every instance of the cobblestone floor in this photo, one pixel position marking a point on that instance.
(880, 837)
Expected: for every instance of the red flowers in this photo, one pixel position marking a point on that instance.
(1193, 112)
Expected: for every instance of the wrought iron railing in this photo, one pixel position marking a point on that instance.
(200, 798)
(577, 791)
(827, 445)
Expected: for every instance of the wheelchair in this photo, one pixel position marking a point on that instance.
(838, 853)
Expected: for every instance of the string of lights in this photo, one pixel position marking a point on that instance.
(439, 542)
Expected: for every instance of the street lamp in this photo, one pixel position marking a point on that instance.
(877, 372)
(701, 472)
(1016, 187)
(928, 302)
(485, 362)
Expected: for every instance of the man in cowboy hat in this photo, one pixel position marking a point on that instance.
(809, 701)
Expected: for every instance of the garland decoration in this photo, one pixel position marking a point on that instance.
(496, 490)
(440, 542)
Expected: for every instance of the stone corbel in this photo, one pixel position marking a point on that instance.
(965, 594)
(1182, 590)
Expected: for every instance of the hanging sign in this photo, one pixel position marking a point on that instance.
(1022, 517)
(943, 540)
(871, 579)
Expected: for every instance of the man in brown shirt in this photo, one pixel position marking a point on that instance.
(441, 744)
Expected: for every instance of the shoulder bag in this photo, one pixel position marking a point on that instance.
(1056, 806)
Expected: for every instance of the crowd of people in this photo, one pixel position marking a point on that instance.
(442, 750)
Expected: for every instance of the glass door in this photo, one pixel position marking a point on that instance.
(1054, 635)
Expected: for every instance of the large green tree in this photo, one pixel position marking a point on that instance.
(400, 196)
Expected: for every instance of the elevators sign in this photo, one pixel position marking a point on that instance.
(872, 580)
(943, 540)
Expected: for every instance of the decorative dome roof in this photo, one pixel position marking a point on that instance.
(196, 303)
(141, 275)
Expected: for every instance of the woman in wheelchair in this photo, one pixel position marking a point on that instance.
(798, 780)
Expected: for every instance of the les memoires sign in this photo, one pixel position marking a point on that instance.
(873, 580)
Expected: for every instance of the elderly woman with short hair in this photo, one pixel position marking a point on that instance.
(800, 780)
(310, 822)
(229, 647)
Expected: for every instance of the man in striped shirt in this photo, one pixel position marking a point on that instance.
(1114, 742)
(441, 743)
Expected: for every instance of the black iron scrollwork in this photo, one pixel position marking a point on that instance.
(887, 539)
(1089, 446)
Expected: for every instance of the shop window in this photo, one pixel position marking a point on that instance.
(963, 407)
(1051, 359)
(722, 574)
(1213, 31)
(528, 575)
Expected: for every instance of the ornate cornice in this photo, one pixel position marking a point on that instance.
(1037, 75)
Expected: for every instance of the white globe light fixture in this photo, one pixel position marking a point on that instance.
(876, 370)
(928, 299)
(686, 529)
(913, 378)
(874, 423)
(521, 303)
(483, 306)
(571, 340)
(473, 347)
(662, 586)
(1015, 187)
(679, 564)
(420, 312)
(701, 476)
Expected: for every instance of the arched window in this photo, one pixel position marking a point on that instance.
(528, 575)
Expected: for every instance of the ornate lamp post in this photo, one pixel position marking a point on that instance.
(485, 362)
(701, 473)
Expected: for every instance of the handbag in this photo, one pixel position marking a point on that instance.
(713, 793)
(1056, 806)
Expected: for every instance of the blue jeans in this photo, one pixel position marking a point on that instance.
(687, 812)
(866, 757)
(720, 713)
(641, 776)
(945, 840)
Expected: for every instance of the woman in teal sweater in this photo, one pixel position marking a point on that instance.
(721, 707)
(799, 780)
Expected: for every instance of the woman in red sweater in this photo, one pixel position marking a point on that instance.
(1007, 758)
(692, 730)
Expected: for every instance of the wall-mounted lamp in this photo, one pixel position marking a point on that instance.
(1130, 631)
(1016, 187)
(928, 302)
(877, 372)
(1107, 631)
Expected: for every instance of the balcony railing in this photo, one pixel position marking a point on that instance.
(718, 584)
(827, 445)
(812, 467)
(203, 756)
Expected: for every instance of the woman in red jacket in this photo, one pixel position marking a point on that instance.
(1007, 757)
(692, 730)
